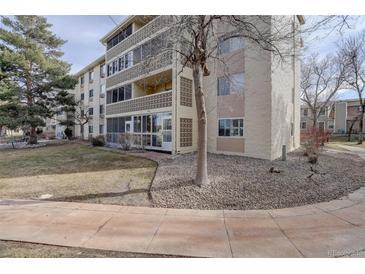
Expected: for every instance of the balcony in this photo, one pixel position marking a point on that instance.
(143, 33)
(149, 102)
(141, 69)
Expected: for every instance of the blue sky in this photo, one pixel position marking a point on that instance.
(84, 32)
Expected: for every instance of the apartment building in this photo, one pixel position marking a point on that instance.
(339, 117)
(90, 93)
(253, 103)
(325, 120)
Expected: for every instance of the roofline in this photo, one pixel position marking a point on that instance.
(126, 21)
(301, 19)
(96, 62)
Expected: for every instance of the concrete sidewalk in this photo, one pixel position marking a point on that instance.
(332, 229)
(357, 150)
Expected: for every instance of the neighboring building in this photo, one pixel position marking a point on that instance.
(90, 92)
(325, 119)
(253, 106)
(337, 118)
(347, 113)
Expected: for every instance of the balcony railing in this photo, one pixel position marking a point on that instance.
(152, 64)
(155, 101)
(146, 31)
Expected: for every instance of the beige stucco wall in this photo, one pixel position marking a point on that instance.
(340, 116)
(95, 103)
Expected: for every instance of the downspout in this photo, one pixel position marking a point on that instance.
(175, 107)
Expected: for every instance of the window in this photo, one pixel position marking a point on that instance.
(91, 76)
(91, 111)
(102, 89)
(115, 96)
(109, 70)
(232, 84)
(119, 37)
(109, 97)
(82, 113)
(121, 94)
(101, 129)
(115, 66)
(91, 129)
(303, 125)
(91, 93)
(137, 123)
(127, 92)
(82, 80)
(322, 111)
(121, 63)
(102, 70)
(82, 96)
(101, 109)
(229, 44)
(137, 57)
(305, 112)
(230, 127)
(359, 108)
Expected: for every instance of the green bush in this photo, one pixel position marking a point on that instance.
(98, 141)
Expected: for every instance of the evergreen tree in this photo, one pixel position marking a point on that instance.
(37, 75)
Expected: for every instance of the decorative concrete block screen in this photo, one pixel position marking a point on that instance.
(159, 100)
(186, 92)
(186, 132)
(154, 63)
(145, 32)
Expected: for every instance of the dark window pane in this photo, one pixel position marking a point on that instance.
(127, 92)
(115, 95)
(120, 63)
(108, 96)
(137, 55)
(121, 94)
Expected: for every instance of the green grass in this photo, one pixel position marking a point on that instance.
(75, 172)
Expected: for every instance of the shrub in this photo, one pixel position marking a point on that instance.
(126, 140)
(68, 133)
(98, 141)
(313, 139)
(39, 131)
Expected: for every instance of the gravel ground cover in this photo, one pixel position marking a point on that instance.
(246, 183)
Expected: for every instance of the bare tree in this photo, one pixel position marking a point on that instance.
(77, 115)
(196, 38)
(352, 52)
(321, 79)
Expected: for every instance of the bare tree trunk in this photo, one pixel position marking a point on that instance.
(32, 136)
(361, 126)
(350, 130)
(202, 170)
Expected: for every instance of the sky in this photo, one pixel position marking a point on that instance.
(84, 32)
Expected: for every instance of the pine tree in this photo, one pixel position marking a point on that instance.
(38, 74)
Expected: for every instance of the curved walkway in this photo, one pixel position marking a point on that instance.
(331, 229)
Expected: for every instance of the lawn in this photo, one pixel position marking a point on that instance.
(343, 140)
(75, 172)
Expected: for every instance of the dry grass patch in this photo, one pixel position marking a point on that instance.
(75, 172)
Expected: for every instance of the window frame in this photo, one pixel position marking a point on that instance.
(232, 128)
